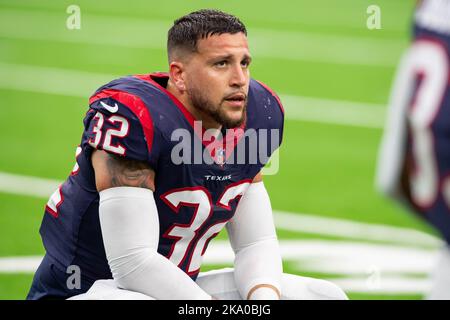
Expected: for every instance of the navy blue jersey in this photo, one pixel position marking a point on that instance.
(428, 121)
(137, 118)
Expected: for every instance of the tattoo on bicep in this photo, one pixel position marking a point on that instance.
(129, 173)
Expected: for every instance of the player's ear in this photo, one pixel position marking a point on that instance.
(176, 71)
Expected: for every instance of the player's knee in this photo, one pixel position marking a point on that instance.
(108, 290)
(326, 290)
(303, 288)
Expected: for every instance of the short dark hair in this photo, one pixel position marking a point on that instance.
(187, 30)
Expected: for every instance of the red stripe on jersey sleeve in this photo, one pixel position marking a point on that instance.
(136, 105)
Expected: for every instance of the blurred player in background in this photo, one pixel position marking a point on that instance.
(414, 159)
(135, 221)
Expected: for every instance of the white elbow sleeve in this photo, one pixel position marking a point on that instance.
(130, 229)
(253, 238)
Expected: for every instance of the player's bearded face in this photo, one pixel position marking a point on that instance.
(219, 79)
(218, 110)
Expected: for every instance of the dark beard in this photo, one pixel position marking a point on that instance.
(201, 103)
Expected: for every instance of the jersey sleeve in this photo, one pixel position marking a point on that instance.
(280, 118)
(120, 123)
(276, 111)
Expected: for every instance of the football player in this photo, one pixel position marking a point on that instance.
(414, 159)
(135, 220)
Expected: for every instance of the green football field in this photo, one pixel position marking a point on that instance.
(332, 73)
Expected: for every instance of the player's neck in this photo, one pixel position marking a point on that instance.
(207, 121)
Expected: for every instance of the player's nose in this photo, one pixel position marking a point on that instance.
(239, 76)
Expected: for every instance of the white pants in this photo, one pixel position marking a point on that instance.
(220, 284)
(440, 277)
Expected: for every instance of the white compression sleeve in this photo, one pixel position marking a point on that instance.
(130, 229)
(253, 238)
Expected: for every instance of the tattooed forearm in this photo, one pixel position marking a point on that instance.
(129, 173)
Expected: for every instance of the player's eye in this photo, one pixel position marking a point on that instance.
(221, 63)
(245, 63)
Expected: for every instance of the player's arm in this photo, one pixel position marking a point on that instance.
(258, 264)
(130, 229)
(392, 165)
(115, 171)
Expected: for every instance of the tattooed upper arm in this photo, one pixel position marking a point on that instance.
(115, 171)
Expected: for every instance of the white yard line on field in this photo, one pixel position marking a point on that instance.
(27, 264)
(341, 257)
(27, 185)
(392, 285)
(297, 222)
(66, 82)
(340, 112)
(128, 32)
(314, 224)
(82, 84)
